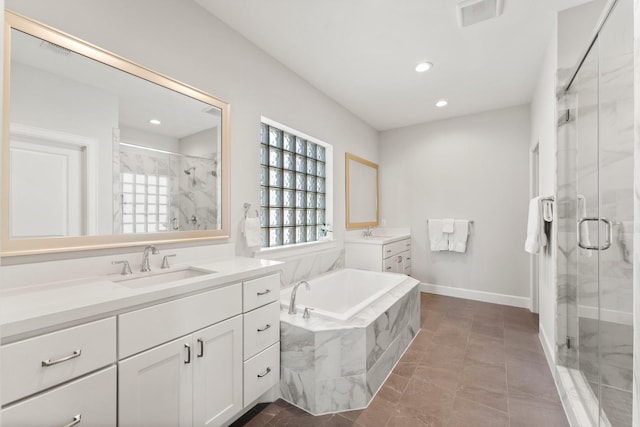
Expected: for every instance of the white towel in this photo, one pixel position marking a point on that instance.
(536, 239)
(458, 240)
(251, 231)
(439, 240)
(447, 225)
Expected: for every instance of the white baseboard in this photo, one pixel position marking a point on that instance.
(476, 295)
(548, 349)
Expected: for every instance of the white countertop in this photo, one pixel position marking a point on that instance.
(47, 306)
(380, 236)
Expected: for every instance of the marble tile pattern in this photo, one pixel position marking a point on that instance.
(472, 364)
(190, 196)
(305, 267)
(636, 230)
(329, 366)
(197, 194)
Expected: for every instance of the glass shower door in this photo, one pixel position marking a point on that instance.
(603, 202)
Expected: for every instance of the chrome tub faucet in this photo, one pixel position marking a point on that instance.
(292, 303)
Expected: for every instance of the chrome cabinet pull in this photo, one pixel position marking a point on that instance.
(265, 328)
(607, 234)
(265, 373)
(201, 352)
(188, 347)
(388, 250)
(399, 259)
(76, 421)
(49, 362)
(389, 268)
(264, 292)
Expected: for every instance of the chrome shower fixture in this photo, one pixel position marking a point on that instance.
(191, 172)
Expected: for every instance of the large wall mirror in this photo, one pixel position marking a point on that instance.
(101, 152)
(361, 192)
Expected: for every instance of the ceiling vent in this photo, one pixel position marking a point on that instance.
(473, 11)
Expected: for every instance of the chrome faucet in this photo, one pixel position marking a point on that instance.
(292, 303)
(145, 257)
(368, 232)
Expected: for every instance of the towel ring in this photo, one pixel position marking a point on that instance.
(247, 207)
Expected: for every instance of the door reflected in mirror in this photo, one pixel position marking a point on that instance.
(100, 147)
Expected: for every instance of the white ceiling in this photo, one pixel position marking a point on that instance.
(362, 53)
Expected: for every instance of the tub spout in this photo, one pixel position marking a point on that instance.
(292, 303)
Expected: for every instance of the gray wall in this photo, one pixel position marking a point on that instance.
(473, 167)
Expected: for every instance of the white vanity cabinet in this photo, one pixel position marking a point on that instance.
(199, 360)
(379, 254)
(261, 336)
(37, 372)
(194, 380)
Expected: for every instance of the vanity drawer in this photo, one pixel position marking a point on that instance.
(91, 400)
(261, 372)
(261, 291)
(393, 264)
(41, 362)
(261, 328)
(394, 248)
(149, 327)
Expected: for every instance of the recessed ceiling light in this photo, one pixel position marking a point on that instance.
(441, 103)
(423, 66)
(154, 121)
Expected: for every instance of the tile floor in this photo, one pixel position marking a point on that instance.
(472, 364)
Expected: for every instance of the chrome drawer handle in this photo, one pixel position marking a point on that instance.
(265, 328)
(388, 250)
(265, 373)
(389, 268)
(49, 362)
(76, 421)
(264, 293)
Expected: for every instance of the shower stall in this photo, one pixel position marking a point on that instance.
(595, 224)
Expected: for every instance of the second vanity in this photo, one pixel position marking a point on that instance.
(194, 346)
(386, 250)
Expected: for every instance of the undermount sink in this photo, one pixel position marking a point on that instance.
(161, 277)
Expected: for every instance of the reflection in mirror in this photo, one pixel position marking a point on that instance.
(361, 192)
(98, 146)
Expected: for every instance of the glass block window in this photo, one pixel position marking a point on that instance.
(145, 203)
(293, 191)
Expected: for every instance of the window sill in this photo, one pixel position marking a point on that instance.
(280, 252)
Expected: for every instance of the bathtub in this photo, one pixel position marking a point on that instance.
(340, 295)
(338, 358)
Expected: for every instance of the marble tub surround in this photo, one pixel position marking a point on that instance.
(329, 365)
(25, 310)
(304, 267)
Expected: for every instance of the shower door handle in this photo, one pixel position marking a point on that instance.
(608, 231)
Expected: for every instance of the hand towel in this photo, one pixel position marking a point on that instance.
(447, 225)
(251, 231)
(536, 239)
(438, 239)
(458, 240)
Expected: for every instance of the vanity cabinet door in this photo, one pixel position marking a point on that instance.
(217, 373)
(155, 387)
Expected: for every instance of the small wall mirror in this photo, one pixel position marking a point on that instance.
(101, 152)
(361, 192)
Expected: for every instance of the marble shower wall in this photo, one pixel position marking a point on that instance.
(196, 205)
(193, 198)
